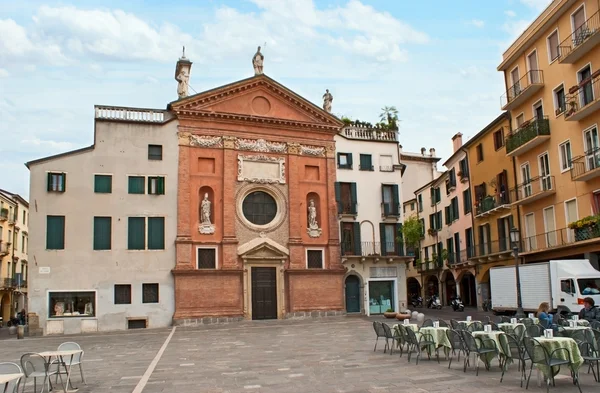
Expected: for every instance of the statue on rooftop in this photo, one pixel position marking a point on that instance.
(257, 62)
(327, 100)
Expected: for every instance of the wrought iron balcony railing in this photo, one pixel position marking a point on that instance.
(372, 249)
(580, 41)
(527, 132)
(586, 167)
(347, 208)
(522, 89)
(390, 209)
(532, 190)
(584, 99)
(560, 238)
(491, 203)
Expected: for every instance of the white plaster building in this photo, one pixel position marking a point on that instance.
(421, 168)
(105, 222)
(369, 176)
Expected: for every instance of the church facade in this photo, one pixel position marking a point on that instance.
(257, 230)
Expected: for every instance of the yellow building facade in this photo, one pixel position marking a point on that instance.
(491, 176)
(552, 80)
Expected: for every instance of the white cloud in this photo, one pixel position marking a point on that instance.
(538, 5)
(3, 73)
(18, 45)
(50, 144)
(514, 28)
(477, 23)
(510, 13)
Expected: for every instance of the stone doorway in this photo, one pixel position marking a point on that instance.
(264, 293)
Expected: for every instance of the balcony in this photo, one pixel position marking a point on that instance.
(531, 134)
(492, 204)
(583, 100)
(4, 248)
(537, 188)
(390, 210)
(491, 250)
(458, 258)
(371, 249)
(560, 238)
(3, 215)
(137, 115)
(580, 42)
(347, 209)
(522, 90)
(586, 167)
(377, 134)
(431, 265)
(8, 283)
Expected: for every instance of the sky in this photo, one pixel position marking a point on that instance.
(434, 60)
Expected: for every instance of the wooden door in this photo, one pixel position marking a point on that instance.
(352, 294)
(264, 293)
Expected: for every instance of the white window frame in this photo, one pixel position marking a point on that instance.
(550, 61)
(64, 189)
(530, 235)
(555, 100)
(210, 247)
(345, 156)
(96, 311)
(511, 76)
(573, 13)
(571, 232)
(321, 249)
(517, 126)
(592, 207)
(585, 152)
(528, 64)
(561, 158)
(546, 223)
(536, 104)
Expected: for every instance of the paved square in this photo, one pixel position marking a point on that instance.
(329, 355)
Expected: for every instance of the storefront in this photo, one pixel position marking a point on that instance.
(381, 295)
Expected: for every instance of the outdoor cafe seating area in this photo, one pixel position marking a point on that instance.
(47, 370)
(519, 345)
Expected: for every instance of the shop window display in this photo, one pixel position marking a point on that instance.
(71, 304)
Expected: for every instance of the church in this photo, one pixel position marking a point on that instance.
(257, 230)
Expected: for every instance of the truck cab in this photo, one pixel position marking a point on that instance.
(573, 280)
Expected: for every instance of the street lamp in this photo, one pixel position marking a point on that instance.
(515, 239)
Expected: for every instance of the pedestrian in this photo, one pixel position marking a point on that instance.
(589, 312)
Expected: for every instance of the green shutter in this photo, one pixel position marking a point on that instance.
(420, 200)
(439, 220)
(438, 195)
(432, 221)
(357, 241)
(338, 159)
(55, 232)
(102, 233)
(64, 182)
(422, 220)
(382, 238)
(447, 213)
(103, 184)
(49, 179)
(354, 198)
(161, 185)
(456, 209)
(136, 184)
(156, 233)
(395, 200)
(400, 240)
(338, 197)
(136, 233)
(350, 160)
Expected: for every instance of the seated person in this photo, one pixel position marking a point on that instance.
(543, 314)
(589, 312)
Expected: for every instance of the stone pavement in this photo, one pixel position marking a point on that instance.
(327, 355)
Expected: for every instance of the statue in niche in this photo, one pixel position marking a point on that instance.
(205, 227)
(313, 227)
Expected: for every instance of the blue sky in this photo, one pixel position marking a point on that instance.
(434, 60)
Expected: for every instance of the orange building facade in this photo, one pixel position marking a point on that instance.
(257, 235)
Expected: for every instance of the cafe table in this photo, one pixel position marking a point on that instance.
(497, 336)
(554, 343)
(413, 326)
(440, 337)
(61, 356)
(5, 379)
(508, 327)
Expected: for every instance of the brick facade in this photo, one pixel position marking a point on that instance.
(225, 135)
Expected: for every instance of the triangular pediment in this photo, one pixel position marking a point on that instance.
(262, 248)
(256, 97)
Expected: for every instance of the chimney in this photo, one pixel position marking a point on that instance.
(457, 142)
(422, 151)
(432, 152)
(400, 148)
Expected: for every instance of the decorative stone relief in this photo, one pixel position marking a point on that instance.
(313, 229)
(229, 142)
(317, 151)
(294, 148)
(206, 141)
(205, 227)
(261, 169)
(261, 146)
(330, 151)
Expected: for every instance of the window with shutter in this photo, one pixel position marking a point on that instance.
(103, 184)
(156, 233)
(155, 152)
(57, 182)
(432, 221)
(553, 46)
(136, 233)
(467, 201)
(136, 184)
(439, 221)
(366, 163)
(344, 160)
(420, 202)
(55, 232)
(422, 221)
(156, 185)
(102, 233)
(122, 294)
(447, 214)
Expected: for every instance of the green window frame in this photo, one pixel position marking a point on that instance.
(156, 185)
(55, 232)
(137, 184)
(155, 152)
(57, 182)
(136, 233)
(156, 233)
(366, 162)
(103, 184)
(102, 233)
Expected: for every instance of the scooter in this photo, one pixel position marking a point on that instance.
(417, 301)
(457, 304)
(434, 302)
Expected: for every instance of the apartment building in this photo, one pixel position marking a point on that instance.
(491, 177)
(105, 224)
(421, 168)
(552, 78)
(368, 189)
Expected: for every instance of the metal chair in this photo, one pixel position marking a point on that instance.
(401, 338)
(595, 325)
(517, 351)
(379, 332)
(476, 345)
(498, 319)
(505, 319)
(11, 368)
(527, 321)
(427, 323)
(443, 323)
(35, 366)
(540, 355)
(578, 335)
(495, 326)
(519, 332)
(475, 327)
(390, 339)
(591, 356)
(417, 344)
(68, 361)
(487, 320)
(455, 325)
(535, 331)
(456, 343)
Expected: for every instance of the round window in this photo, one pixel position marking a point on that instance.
(259, 208)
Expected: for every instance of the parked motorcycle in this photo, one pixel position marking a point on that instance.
(487, 305)
(434, 302)
(417, 301)
(457, 304)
